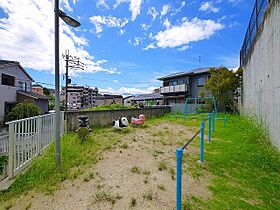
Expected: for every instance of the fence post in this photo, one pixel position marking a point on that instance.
(209, 127)
(40, 133)
(202, 126)
(213, 121)
(11, 150)
(179, 155)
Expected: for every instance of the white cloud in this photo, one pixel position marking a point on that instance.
(145, 27)
(183, 48)
(102, 4)
(188, 31)
(134, 7)
(166, 23)
(108, 21)
(127, 90)
(135, 42)
(28, 37)
(152, 12)
(209, 7)
(165, 9)
(177, 10)
(150, 46)
(234, 2)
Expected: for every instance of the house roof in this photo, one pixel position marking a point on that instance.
(32, 95)
(187, 73)
(6, 63)
(127, 97)
(112, 96)
(150, 96)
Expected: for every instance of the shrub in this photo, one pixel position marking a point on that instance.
(24, 110)
(110, 107)
(3, 161)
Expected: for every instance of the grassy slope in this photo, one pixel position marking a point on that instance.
(244, 166)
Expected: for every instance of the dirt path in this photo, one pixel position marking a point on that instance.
(138, 174)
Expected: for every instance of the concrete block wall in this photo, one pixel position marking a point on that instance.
(106, 117)
(261, 83)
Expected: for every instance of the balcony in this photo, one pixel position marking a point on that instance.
(174, 89)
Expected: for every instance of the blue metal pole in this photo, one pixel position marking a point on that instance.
(209, 127)
(213, 121)
(202, 126)
(225, 122)
(179, 155)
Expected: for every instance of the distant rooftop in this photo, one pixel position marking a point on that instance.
(187, 73)
(32, 95)
(150, 96)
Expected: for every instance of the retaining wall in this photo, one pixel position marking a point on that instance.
(261, 79)
(106, 117)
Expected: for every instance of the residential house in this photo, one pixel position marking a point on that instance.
(108, 99)
(113, 99)
(127, 100)
(179, 86)
(15, 86)
(38, 89)
(151, 99)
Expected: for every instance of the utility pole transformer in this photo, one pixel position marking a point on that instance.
(72, 63)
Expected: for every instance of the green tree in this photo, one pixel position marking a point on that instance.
(24, 110)
(223, 84)
(46, 91)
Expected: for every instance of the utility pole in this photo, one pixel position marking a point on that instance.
(199, 61)
(72, 63)
(57, 99)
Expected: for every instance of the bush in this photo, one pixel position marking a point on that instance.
(3, 161)
(110, 107)
(24, 110)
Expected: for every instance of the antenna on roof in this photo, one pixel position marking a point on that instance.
(199, 61)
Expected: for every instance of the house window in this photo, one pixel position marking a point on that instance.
(173, 83)
(8, 80)
(201, 82)
(22, 86)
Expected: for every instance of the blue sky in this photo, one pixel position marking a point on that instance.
(126, 44)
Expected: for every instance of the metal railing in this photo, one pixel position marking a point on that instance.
(174, 89)
(28, 138)
(4, 144)
(253, 27)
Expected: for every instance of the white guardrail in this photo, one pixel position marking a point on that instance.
(27, 138)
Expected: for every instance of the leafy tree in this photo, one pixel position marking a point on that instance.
(24, 110)
(46, 91)
(223, 84)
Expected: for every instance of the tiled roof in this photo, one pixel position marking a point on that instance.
(33, 95)
(150, 96)
(186, 73)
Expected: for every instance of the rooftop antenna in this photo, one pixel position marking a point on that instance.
(199, 61)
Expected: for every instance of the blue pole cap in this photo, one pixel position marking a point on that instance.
(179, 152)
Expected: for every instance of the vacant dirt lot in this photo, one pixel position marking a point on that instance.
(137, 174)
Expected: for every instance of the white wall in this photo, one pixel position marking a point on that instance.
(8, 93)
(262, 76)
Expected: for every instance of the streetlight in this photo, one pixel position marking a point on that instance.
(72, 22)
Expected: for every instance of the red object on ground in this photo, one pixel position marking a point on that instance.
(139, 121)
